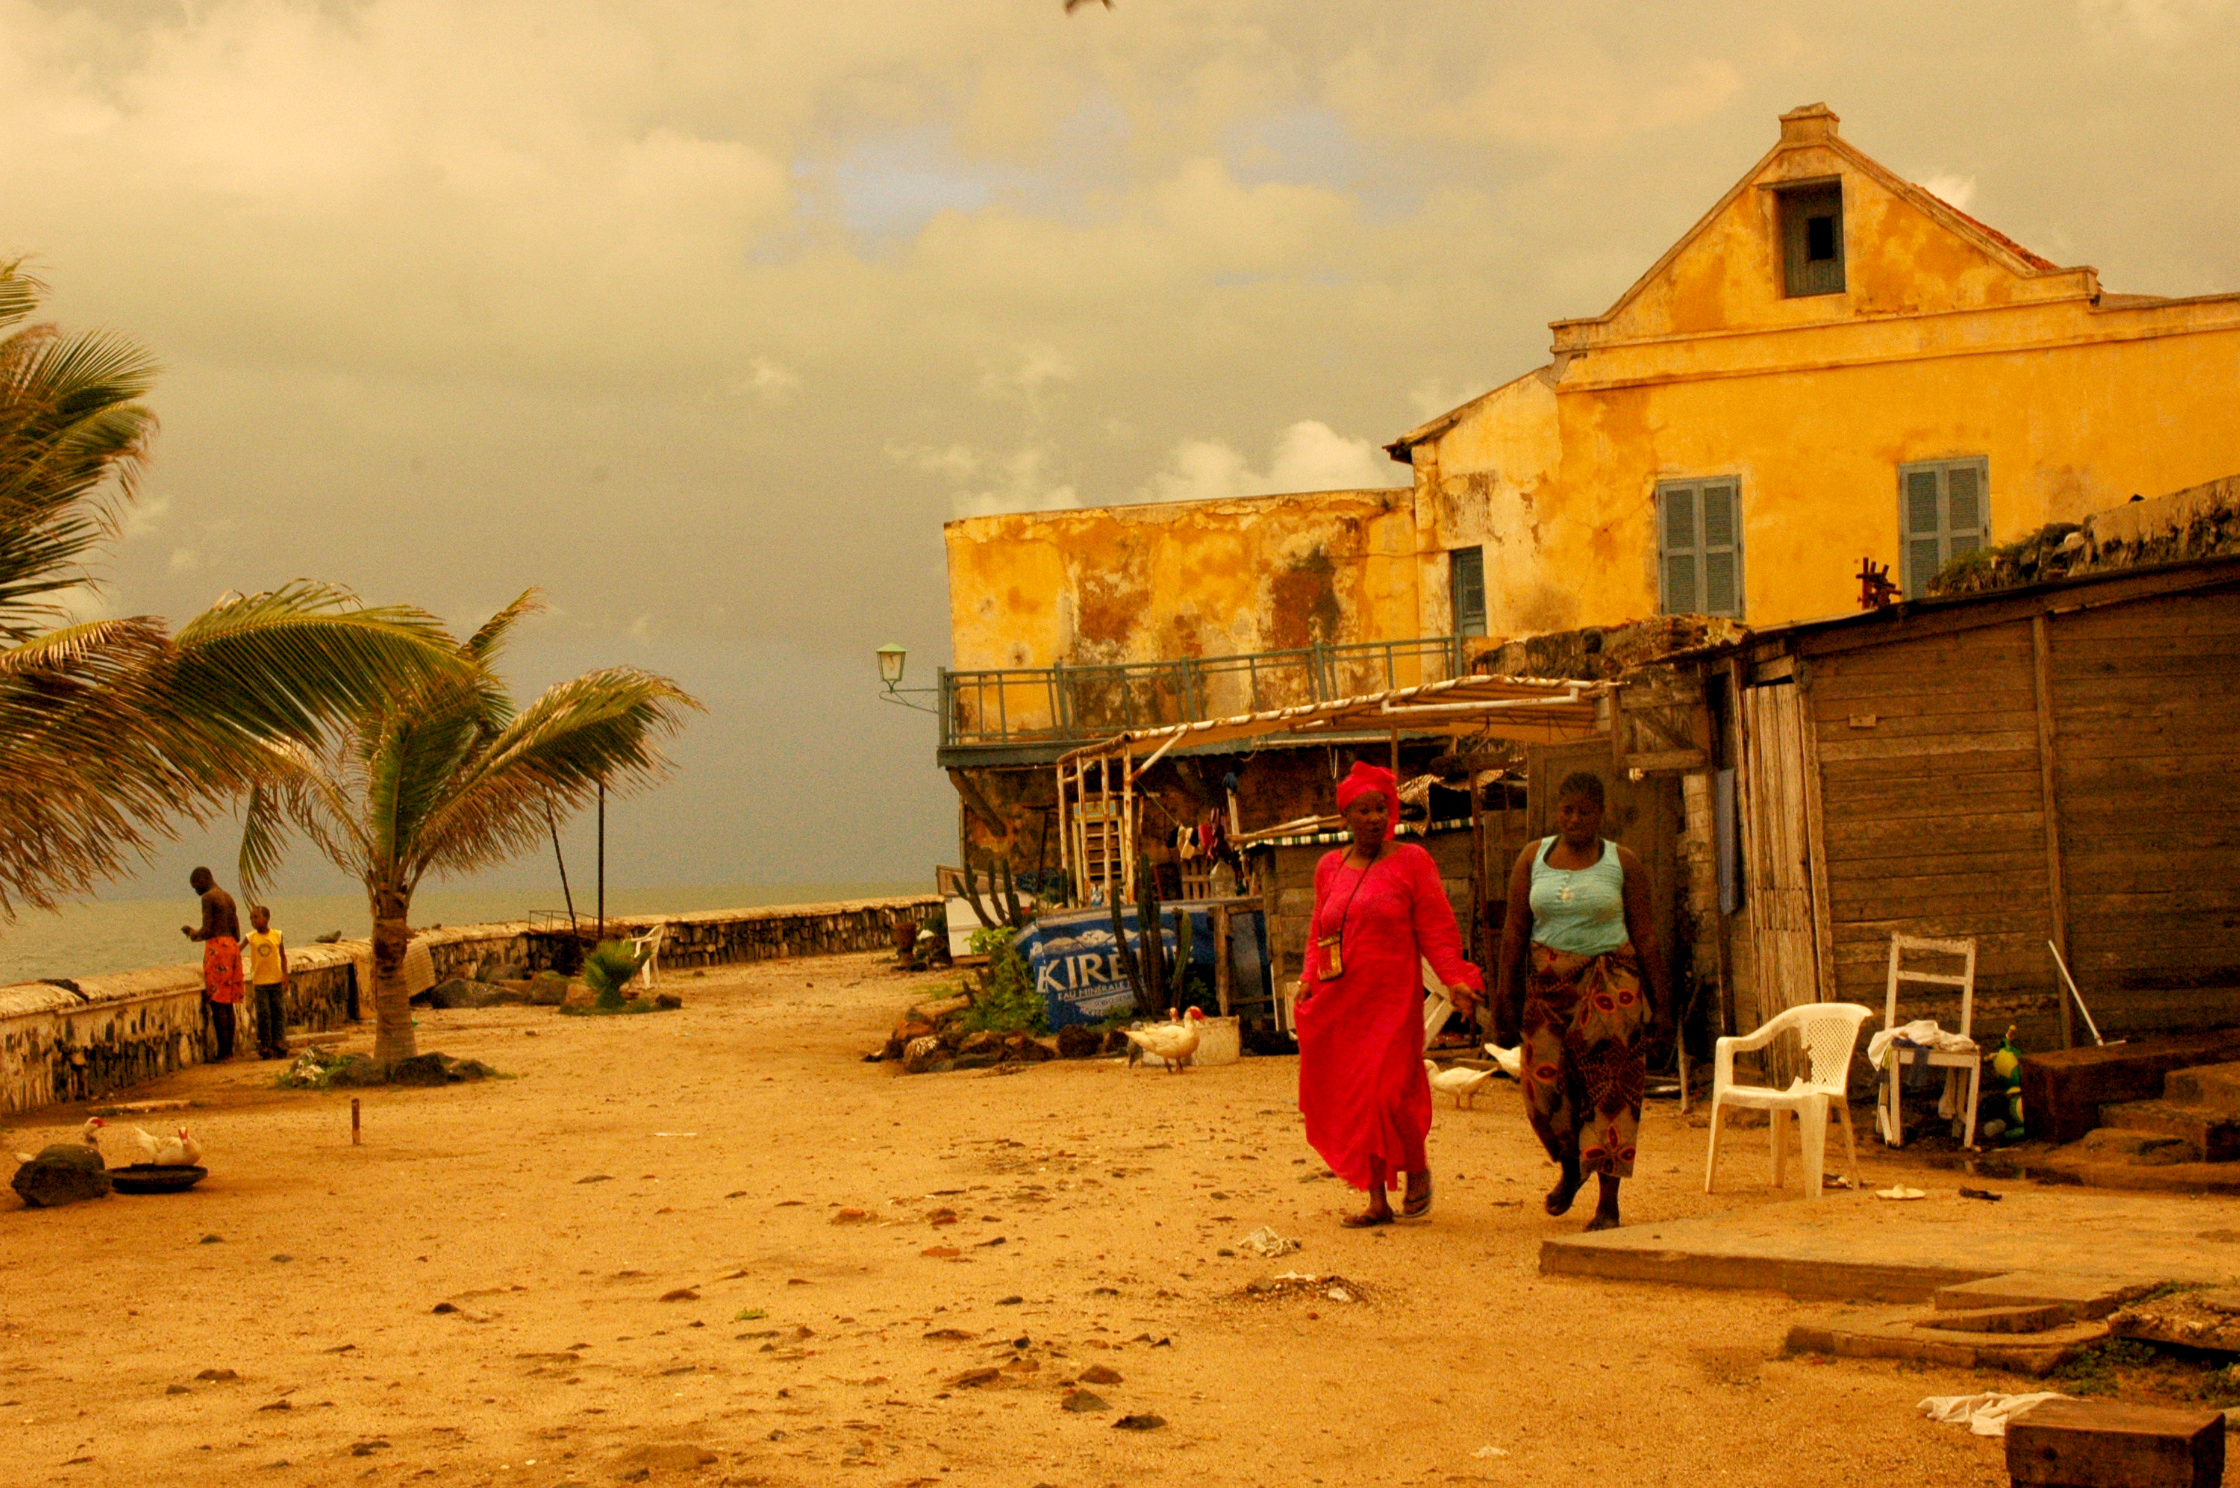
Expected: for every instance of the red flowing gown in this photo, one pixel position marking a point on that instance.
(1362, 1088)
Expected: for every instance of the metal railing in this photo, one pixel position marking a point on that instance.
(1074, 704)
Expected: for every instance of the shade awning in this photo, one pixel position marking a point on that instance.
(1529, 710)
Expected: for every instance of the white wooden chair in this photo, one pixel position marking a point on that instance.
(648, 945)
(1828, 1031)
(1889, 1115)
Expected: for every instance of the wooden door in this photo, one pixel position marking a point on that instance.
(1776, 859)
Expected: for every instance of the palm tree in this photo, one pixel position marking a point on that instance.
(111, 730)
(449, 778)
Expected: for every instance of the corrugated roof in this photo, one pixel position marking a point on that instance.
(1533, 710)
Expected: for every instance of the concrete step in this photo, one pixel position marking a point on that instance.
(1914, 1335)
(2214, 1085)
(2208, 1133)
(2038, 1317)
(2081, 1295)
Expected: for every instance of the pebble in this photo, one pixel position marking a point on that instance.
(1139, 1423)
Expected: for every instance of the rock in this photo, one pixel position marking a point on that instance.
(458, 992)
(368, 1448)
(579, 996)
(851, 1216)
(547, 989)
(912, 1028)
(1078, 1042)
(667, 1000)
(920, 1054)
(984, 1059)
(931, 1013)
(1086, 1401)
(1139, 1423)
(1099, 1374)
(176, 1390)
(681, 1294)
(62, 1174)
(357, 1069)
(217, 1376)
(1029, 1049)
(1115, 1042)
(437, 1069)
(972, 1379)
(667, 1457)
(983, 1042)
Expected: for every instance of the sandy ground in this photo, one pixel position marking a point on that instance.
(644, 1239)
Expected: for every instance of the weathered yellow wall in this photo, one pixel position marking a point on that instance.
(1946, 342)
(1158, 582)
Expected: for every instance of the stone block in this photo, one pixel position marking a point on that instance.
(2102, 1444)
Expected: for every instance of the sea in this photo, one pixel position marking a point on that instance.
(96, 936)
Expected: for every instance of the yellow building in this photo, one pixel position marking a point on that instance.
(1832, 365)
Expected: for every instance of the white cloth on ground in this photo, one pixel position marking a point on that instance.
(1986, 1414)
(1922, 1033)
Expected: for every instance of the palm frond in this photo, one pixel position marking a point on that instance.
(604, 726)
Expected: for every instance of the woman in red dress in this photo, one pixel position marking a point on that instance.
(1379, 912)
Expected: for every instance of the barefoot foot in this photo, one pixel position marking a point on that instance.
(1566, 1189)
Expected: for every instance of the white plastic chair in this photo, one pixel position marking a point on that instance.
(648, 945)
(1437, 1006)
(1889, 1115)
(1828, 1031)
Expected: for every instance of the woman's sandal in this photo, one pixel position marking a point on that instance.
(1417, 1206)
(1365, 1220)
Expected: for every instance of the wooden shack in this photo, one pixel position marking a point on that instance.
(2044, 764)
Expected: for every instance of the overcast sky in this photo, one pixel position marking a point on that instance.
(705, 315)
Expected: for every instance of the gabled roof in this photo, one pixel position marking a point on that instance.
(1812, 127)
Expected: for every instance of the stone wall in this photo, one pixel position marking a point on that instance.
(99, 1035)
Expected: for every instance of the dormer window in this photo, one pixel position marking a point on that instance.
(1812, 239)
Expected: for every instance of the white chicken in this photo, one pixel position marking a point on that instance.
(1174, 1042)
(1510, 1060)
(181, 1151)
(1460, 1082)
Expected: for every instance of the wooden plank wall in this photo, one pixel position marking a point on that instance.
(2146, 743)
(1934, 813)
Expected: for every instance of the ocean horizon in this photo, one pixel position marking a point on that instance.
(98, 936)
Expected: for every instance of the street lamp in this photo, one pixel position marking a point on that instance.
(891, 658)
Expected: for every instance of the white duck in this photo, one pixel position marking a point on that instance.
(181, 1151)
(1174, 1041)
(1510, 1060)
(90, 1134)
(1460, 1082)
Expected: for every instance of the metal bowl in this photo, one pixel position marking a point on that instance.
(157, 1178)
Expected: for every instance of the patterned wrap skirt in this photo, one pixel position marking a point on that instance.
(1585, 1065)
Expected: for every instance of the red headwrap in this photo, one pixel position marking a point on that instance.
(1366, 778)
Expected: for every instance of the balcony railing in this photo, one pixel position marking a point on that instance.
(1074, 704)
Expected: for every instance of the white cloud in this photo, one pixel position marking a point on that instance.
(770, 381)
(1026, 371)
(2157, 20)
(959, 462)
(144, 516)
(1022, 483)
(184, 560)
(1958, 190)
(1308, 456)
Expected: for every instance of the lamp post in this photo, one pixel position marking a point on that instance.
(891, 661)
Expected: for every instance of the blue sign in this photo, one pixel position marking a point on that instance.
(1075, 967)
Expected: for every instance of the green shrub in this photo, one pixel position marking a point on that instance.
(608, 969)
(1006, 1001)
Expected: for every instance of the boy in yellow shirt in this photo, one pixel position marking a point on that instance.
(267, 954)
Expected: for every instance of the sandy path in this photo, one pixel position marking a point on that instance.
(1110, 1192)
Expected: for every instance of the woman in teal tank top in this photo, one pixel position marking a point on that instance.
(1574, 951)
